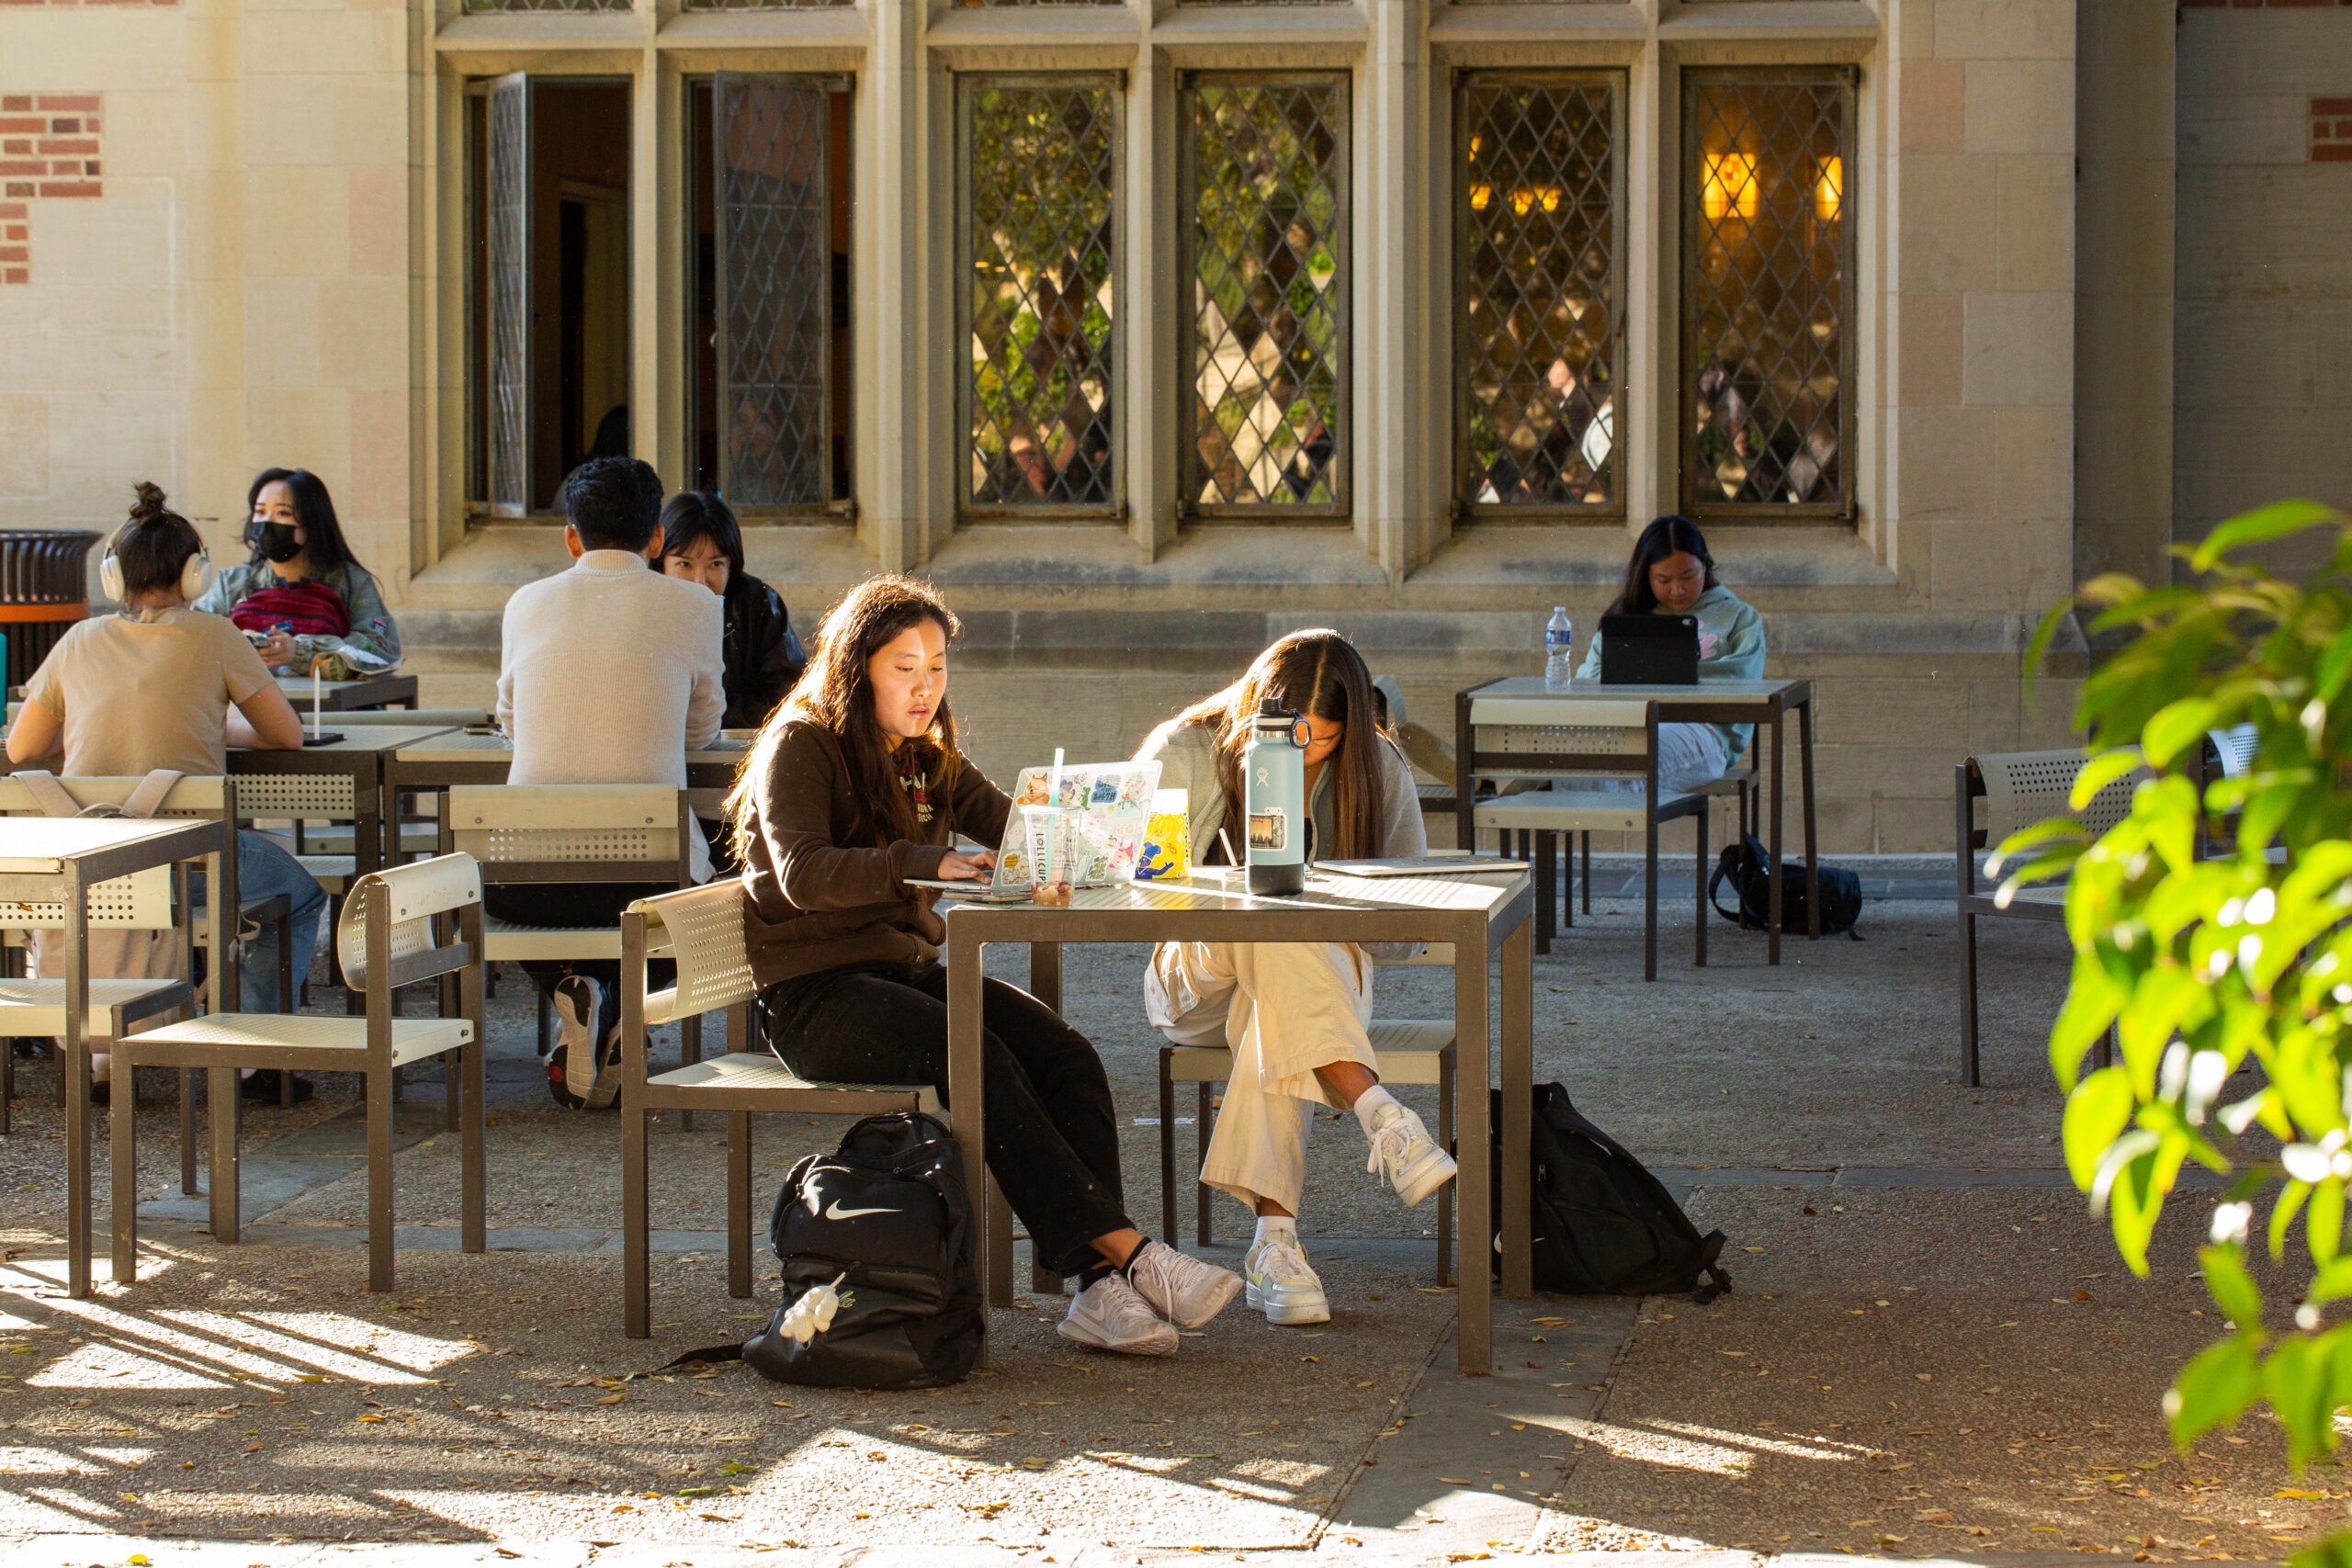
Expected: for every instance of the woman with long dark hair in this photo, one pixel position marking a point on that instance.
(701, 542)
(1672, 574)
(854, 787)
(1293, 1014)
(301, 596)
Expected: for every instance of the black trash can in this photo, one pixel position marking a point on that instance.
(44, 590)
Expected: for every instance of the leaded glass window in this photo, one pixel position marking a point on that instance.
(1040, 310)
(507, 219)
(1264, 228)
(1767, 266)
(766, 5)
(495, 5)
(1540, 333)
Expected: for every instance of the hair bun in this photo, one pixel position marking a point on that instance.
(150, 504)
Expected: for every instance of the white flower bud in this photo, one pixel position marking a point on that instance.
(2230, 1221)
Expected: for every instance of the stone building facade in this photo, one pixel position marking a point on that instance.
(1153, 329)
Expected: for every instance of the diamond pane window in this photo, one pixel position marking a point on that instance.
(1540, 334)
(507, 221)
(775, 286)
(1767, 263)
(498, 6)
(1265, 231)
(1040, 228)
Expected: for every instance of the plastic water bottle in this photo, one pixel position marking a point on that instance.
(1559, 642)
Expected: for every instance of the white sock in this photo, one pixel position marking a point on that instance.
(1276, 1225)
(1368, 1106)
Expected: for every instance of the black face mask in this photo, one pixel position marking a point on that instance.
(278, 543)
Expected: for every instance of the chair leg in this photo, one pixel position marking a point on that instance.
(689, 1053)
(1446, 1194)
(122, 1116)
(1568, 881)
(1588, 871)
(1547, 893)
(220, 1112)
(472, 1178)
(1167, 1146)
(738, 1203)
(547, 1019)
(187, 1133)
(286, 1000)
(1649, 900)
(7, 1078)
(1967, 999)
(379, 1181)
(636, 1241)
(1200, 1147)
(1698, 819)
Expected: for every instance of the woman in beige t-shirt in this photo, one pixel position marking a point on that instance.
(160, 685)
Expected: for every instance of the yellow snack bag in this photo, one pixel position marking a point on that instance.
(1168, 839)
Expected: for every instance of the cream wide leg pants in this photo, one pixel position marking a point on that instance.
(1284, 1010)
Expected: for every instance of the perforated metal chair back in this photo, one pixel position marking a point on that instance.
(141, 901)
(2024, 787)
(701, 930)
(2234, 749)
(418, 891)
(297, 796)
(1615, 734)
(542, 823)
(196, 795)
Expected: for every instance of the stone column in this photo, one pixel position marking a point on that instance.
(1394, 290)
(891, 185)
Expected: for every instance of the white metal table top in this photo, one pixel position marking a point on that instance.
(377, 738)
(469, 745)
(40, 846)
(1709, 689)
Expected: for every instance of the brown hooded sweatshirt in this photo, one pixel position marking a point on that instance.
(821, 900)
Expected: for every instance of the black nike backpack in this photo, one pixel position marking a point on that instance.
(887, 1212)
(1600, 1224)
(1747, 867)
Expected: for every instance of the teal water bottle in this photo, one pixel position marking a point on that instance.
(1274, 801)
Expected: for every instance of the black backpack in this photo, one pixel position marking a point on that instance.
(1600, 1224)
(1747, 867)
(888, 1210)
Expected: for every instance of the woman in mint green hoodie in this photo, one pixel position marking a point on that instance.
(1673, 574)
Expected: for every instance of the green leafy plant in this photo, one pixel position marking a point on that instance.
(2210, 927)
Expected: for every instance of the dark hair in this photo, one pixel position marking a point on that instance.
(694, 514)
(1669, 536)
(836, 693)
(1320, 674)
(153, 546)
(313, 508)
(614, 503)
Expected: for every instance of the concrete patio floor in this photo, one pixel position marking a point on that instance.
(1933, 1349)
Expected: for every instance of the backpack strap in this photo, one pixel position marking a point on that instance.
(710, 1355)
(48, 793)
(1717, 1283)
(148, 798)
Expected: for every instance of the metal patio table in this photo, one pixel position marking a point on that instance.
(46, 860)
(348, 696)
(365, 754)
(462, 757)
(1712, 701)
(1481, 916)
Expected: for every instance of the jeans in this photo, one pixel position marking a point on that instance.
(1053, 1135)
(266, 869)
(576, 904)
(1689, 755)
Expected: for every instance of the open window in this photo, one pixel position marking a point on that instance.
(769, 366)
(548, 298)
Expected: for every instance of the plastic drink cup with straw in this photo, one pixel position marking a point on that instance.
(1056, 852)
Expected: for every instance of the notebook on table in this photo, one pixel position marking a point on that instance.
(1117, 798)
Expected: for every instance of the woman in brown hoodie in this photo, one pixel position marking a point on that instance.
(855, 786)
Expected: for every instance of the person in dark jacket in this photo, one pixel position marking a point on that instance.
(702, 543)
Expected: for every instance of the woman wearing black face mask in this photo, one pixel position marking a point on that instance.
(301, 590)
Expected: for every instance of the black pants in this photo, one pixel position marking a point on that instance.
(577, 904)
(1053, 1135)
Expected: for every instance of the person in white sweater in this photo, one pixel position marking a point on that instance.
(609, 674)
(1293, 1014)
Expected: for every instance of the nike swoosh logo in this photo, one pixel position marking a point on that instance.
(838, 1213)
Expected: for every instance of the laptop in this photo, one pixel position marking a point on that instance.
(1117, 797)
(1649, 651)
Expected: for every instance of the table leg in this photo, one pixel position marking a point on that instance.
(1812, 852)
(1046, 985)
(1519, 1098)
(1466, 833)
(220, 1112)
(1474, 1069)
(963, 1112)
(1779, 804)
(77, 1086)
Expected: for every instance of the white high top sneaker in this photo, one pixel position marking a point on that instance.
(1406, 1156)
(1281, 1284)
(1110, 1314)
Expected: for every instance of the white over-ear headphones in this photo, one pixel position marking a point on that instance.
(196, 577)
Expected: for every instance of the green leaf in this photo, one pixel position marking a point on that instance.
(2233, 1288)
(2099, 1110)
(2176, 726)
(2282, 1214)
(2330, 1551)
(2219, 1384)
(2324, 1222)
(2262, 524)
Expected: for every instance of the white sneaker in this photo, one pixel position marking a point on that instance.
(1282, 1285)
(1181, 1288)
(1406, 1156)
(1110, 1315)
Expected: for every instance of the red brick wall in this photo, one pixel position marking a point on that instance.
(48, 150)
(2331, 130)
